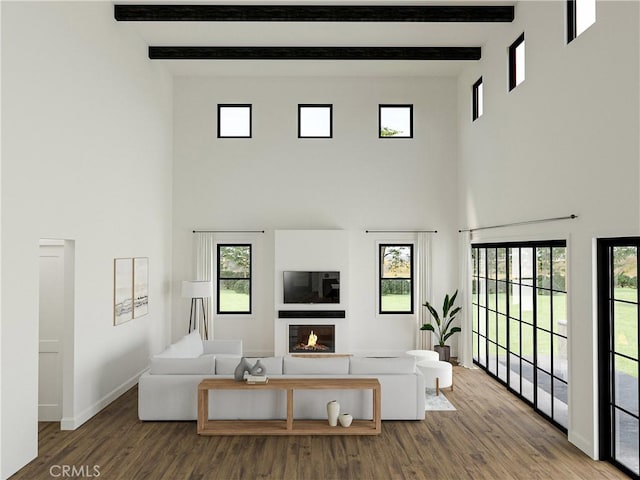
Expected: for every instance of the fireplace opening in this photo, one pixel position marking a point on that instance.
(312, 338)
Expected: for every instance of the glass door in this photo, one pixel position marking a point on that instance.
(618, 352)
(519, 329)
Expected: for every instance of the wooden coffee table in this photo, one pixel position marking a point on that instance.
(290, 426)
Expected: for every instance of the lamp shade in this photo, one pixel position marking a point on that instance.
(197, 289)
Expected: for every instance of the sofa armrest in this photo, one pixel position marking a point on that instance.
(223, 347)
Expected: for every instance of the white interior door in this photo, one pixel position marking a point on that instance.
(51, 331)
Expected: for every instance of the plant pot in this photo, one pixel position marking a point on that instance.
(444, 351)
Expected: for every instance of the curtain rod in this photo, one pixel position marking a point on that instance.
(401, 231)
(228, 231)
(528, 222)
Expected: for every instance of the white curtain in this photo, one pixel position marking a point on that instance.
(423, 254)
(204, 254)
(465, 352)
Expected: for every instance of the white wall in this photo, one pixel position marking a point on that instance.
(564, 141)
(86, 156)
(352, 182)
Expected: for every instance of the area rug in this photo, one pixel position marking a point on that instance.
(436, 402)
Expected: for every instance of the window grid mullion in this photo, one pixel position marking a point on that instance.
(612, 390)
(552, 338)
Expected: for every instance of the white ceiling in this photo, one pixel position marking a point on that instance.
(315, 34)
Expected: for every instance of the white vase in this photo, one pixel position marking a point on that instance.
(333, 410)
(345, 419)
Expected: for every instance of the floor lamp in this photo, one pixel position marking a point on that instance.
(197, 290)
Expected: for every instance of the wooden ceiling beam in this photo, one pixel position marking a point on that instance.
(313, 13)
(314, 53)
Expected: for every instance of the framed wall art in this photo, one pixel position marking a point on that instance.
(140, 286)
(122, 290)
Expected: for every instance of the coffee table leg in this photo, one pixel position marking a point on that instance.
(290, 409)
(203, 409)
(377, 408)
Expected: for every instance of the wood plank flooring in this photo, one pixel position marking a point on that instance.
(492, 435)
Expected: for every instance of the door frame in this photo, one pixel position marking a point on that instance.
(68, 330)
(605, 347)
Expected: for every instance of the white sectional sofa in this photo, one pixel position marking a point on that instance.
(168, 390)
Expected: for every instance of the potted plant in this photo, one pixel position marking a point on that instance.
(442, 327)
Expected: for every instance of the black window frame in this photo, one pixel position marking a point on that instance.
(572, 20)
(572, 27)
(512, 379)
(315, 105)
(607, 401)
(513, 67)
(236, 105)
(381, 277)
(475, 97)
(381, 106)
(219, 278)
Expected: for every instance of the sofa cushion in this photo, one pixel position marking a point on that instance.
(315, 366)
(226, 365)
(370, 365)
(189, 346)
(204, 364)
(168, 352)
(224, 347)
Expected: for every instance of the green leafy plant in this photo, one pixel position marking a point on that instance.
(389, 132)
(442, 327)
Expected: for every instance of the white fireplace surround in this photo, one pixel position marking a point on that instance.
(311, 250)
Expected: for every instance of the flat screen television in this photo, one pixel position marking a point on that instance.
(311, 287)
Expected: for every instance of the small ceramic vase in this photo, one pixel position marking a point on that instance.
(333, 410)
(345, 419)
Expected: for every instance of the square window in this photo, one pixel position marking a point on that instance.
(516, 62)
(581, 14)
(315, 121)
(234, 121)
(477, 99)
(395, 121)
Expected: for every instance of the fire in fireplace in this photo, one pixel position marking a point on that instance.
(311, 338)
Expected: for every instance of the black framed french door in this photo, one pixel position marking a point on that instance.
(618, 340)
(519, 321)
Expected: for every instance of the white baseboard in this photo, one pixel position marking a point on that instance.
(71, 423)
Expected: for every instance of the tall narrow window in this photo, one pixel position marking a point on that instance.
(519, 321)
(619, 363)
(396, 278)
(234, 121)
(234, 279)
(581, 14)
(516, 62)
(395, 121)
(477, 99)
(315, 121)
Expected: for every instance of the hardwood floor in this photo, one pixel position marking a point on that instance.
(492, 435)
